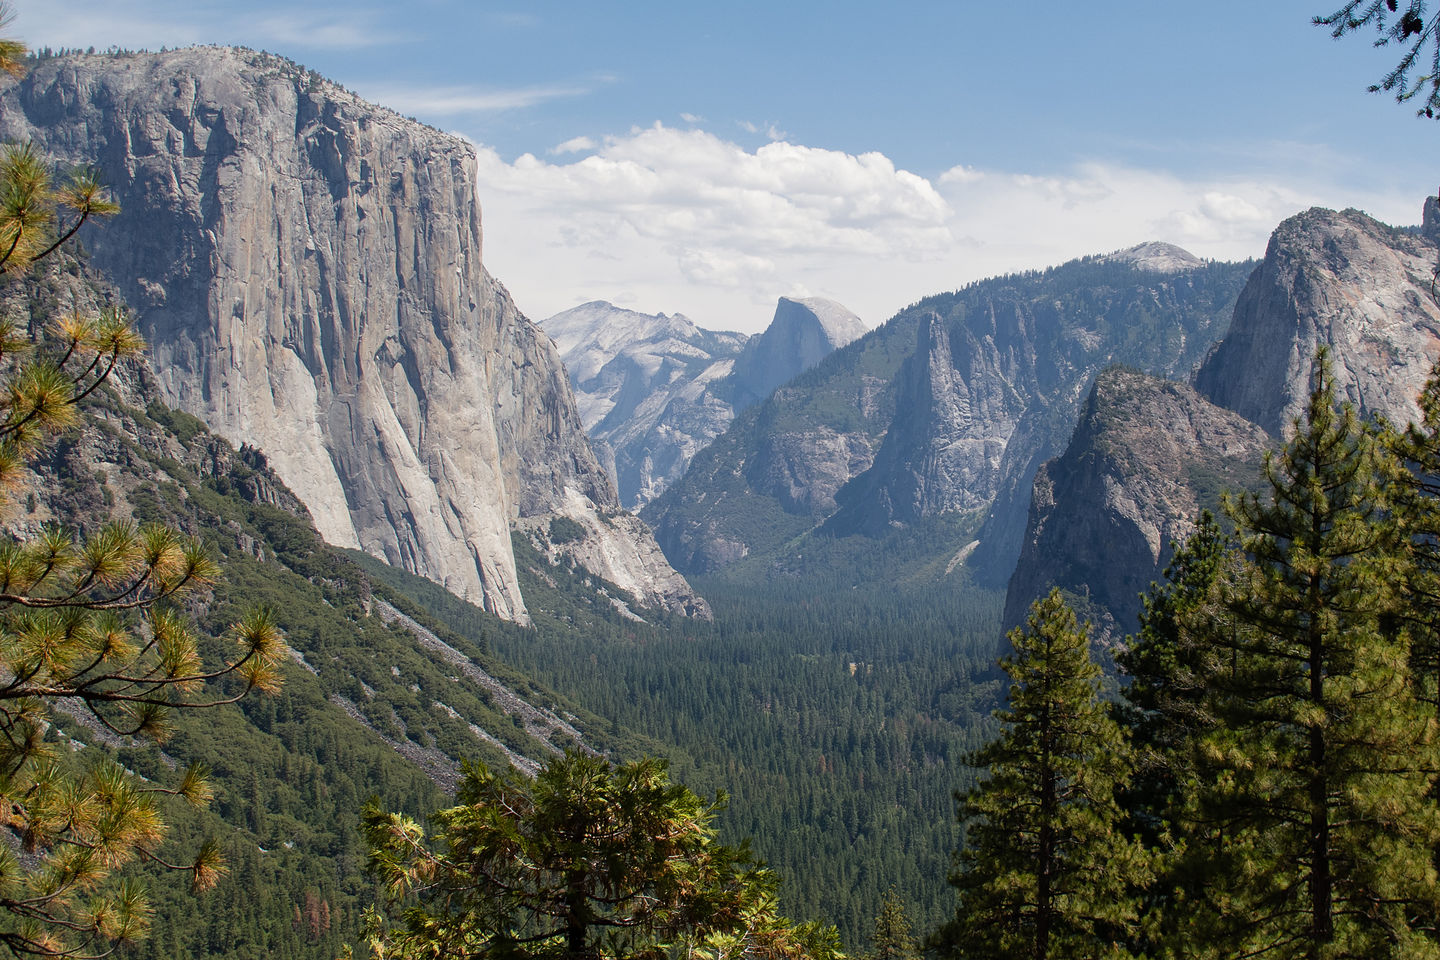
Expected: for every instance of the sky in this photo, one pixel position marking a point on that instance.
(708, 158)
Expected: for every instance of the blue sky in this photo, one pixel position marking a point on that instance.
(707, 158)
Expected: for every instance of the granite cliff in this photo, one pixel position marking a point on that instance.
(803, 332)
(1342, 279)
(1148, 454)
(945, 410)
(655, 389)
(307, 269)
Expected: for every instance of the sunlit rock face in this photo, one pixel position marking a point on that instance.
(1340, 279)
(654, 389)
(307, 270)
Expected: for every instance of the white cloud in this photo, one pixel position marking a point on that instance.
(574, 145)
(455, 101)
(692, 118)
(683, 220)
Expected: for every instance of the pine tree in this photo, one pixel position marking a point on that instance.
(1309, 824)
(1170, 664)
(1417, 503)
(92, 623)
(589, 860)
(1045, 871)
(1392, 25)
(891, 939)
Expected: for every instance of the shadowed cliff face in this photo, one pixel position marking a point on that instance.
(947, 409)
(307, 269)
(1147, 455)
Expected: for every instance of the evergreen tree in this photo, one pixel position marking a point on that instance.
(1309, 822)
(1169, 664)
(588, 861)
(1417, 503)
(89, 624)
(1392, 25)
(1045, 871)
(891, 939)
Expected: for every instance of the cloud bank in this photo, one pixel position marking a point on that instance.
(683, 220)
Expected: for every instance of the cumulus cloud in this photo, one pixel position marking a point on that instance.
(574, 145)
(684, 220)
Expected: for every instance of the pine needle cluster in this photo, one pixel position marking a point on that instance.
(589, 861)
(92, 626)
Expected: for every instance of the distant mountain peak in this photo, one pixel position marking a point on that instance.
(655, 389)
(601, 326)
(840, 325)
(1157, 256)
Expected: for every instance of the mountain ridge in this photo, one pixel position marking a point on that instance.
(1338, 279)
(654, 389)
(849, 446)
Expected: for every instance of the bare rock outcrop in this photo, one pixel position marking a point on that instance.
(646, 386)
(307, 270)
(946, 410)
(1106, 515)
(803, 332)
(1342, 279)
(1148, 454)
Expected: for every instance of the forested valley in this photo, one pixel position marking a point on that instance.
(222, 736)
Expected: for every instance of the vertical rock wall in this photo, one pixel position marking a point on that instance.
(307, 270)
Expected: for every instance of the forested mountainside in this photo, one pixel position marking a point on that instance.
(380, 697)
(946, 409)
(837, 736)
(369, 709)
(1147, 455)
(307, 269)
(654, 390)
(849, 544)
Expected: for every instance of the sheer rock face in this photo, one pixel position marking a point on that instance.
(654, 390)
(1106, 515)
(1147, 454)
(801, 334)
(956, 412)
(1341, 279)
(307, 270)
(947, 409)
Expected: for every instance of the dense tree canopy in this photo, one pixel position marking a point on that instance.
(1046, 871)
(589, 860)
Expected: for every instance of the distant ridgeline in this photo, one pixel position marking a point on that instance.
(654, 390)
(1148, 454)
(946, 410)
(338, 384)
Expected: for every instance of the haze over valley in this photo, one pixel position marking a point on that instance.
(474, 484)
